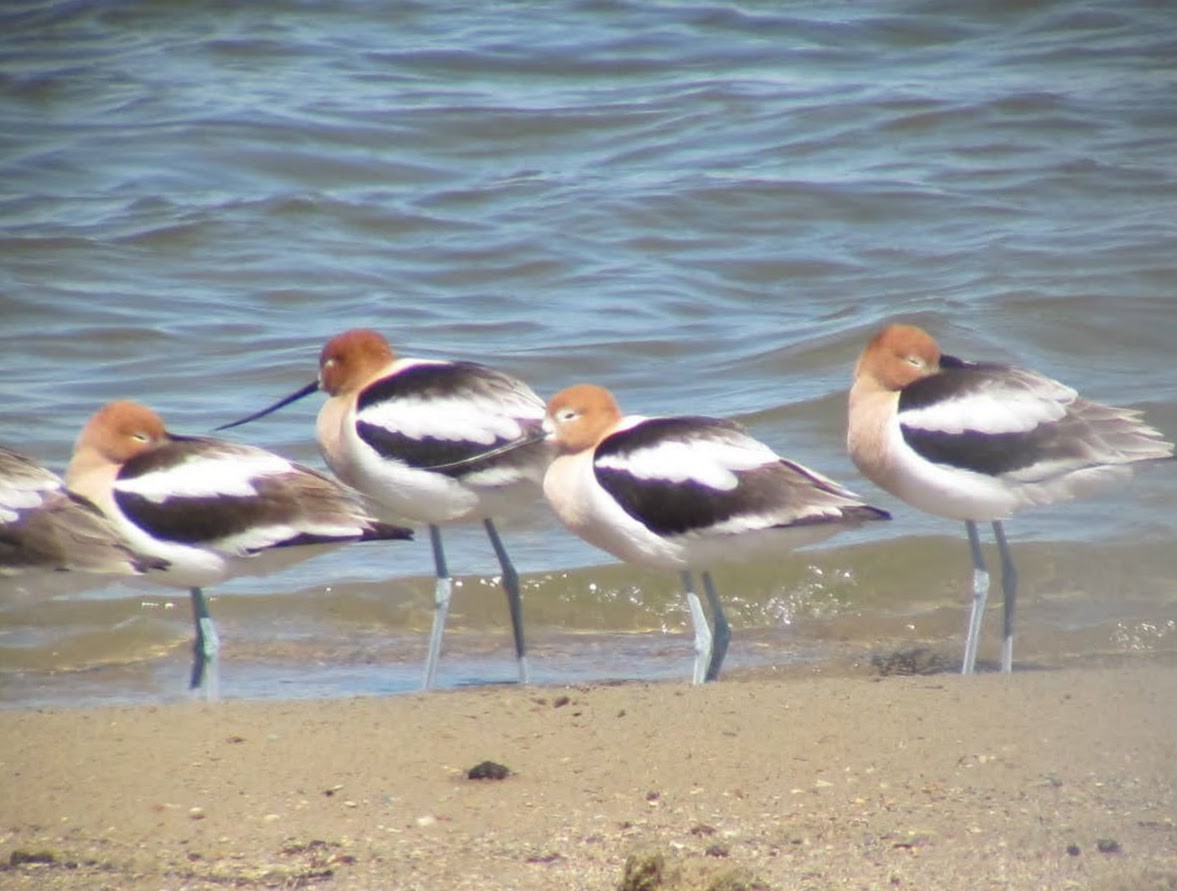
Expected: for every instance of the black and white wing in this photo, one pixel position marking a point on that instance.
(685, 475)
(460, 419)
(1010, 422)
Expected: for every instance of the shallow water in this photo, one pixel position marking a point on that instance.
(704, 207)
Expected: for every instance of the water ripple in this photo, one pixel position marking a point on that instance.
(707, 207)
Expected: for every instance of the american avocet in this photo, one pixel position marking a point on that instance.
(210, 509)
(978, 441)
(45, 528)
(684, 493)
(430, 441)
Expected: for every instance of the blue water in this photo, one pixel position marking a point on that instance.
(705, 207)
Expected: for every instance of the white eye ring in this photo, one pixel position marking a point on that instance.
(566, 415)
(140, 437)
(916, 361)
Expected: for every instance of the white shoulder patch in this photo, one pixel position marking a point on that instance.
(1005, 409)
(481, 421)
(207, 477)
(15, 498)
(707, 461)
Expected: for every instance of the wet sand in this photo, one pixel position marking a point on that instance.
(1041, 780)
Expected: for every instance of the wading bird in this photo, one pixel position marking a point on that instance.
(977, 441)
(434, 442)
(44, 528)
(210, 509)
(684, 493)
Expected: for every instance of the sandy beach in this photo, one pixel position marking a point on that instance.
(1040, 780)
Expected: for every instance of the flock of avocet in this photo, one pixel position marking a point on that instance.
(438, 442)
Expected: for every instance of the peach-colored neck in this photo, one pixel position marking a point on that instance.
(93, 480)
(329, 433)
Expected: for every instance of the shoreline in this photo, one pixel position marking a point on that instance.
(833, 782)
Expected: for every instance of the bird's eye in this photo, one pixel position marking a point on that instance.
(141, 437)
(565, 415)
(916, 361)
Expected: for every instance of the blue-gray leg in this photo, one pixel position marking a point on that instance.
(980, 597)
(702, 630)
(1009, 588)
(206, 669)
(722, 631)
(442, 590)
(514, 599)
